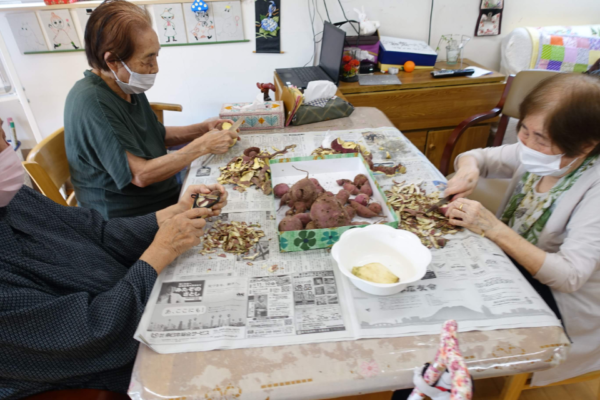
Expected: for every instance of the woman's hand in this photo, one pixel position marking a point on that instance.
(463, 182)
(175, 236)
(218, 142)
(216, 123)
(473, 216)
(187, 201)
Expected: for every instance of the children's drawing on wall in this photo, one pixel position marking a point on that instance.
(27, 32)
(228, 20)
(200, 23)
(60, 30)
(267, 26)
(83, 15)
(170, 25)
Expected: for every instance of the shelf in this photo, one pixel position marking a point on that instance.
(9, 97)
(79, 4)
(200, 44)
(52, 51)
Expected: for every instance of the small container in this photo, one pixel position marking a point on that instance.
(393, 71)
(400, 251)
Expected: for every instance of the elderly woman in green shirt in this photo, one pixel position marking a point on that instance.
(115, 145)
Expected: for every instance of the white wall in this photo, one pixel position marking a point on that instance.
(201, 78)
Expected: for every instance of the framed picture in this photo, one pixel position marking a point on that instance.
(200, 25)
(60, 29)
(27, 32)
(228, 20)
(489, 23)
(170, 23)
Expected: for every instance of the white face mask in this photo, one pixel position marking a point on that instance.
(11, 178)
(138, 83)
(542, 164)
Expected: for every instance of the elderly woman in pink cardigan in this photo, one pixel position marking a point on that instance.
(549, 222)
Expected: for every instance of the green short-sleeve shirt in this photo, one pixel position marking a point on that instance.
(99, 128)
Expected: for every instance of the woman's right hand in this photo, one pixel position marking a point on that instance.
(462, 183)
(218, 142)
(175, 236)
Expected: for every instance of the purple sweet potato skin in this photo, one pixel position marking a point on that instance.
(305, 191)
(366, 189)
(351, 188)
(350, 211)
(343, 196)
(290, 224)
(299, 207)
(284, 200)
(327, 212)
(317, 185)
(304, 217)
(362, 199)
(359, 180)
(280, 190)
(361, 210)
(375, 207)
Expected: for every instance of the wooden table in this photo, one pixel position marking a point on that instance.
(334, 369)
(427, 110)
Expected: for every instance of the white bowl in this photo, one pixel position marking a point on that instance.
(399, 250)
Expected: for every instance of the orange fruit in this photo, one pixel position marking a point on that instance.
(409, 66)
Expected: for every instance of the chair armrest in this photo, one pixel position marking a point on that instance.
(166, 107)
(72, 200)
(44, 182)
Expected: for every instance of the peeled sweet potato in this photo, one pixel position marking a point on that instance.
(361, 210)
(304, 217)
(280, 190)
(366, 189)
(317, 185)
(360, 179)
(343, 196)
(350, 211)
(290, 224)
(351, 188)
(362, 199)
(375, 207)
(328, 212)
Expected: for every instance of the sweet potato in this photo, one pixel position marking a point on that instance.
(317, 185)
(342, 181)
(328, 193)
(304, 217)
(343, 196)
(360, 179)
(284, 200)
(327, 212)
(361, 210)
(375, 207)
(305, 191)
(280, 190)
(290, 224)
(299, 207)
(351, 188)
(366, 189)
(350, 211)
(289, 213)
(311, 225)
(362, 199)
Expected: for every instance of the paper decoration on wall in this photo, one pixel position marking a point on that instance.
(60, 30)
(489, 22)
(27, 32)
(83, 15)
(200, 25)
(268, 26)
(228, 20)
(170, 23)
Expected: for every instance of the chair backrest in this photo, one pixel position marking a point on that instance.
(160, 108)
(48, 167)
(523, 83)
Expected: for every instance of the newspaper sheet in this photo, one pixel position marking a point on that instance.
(221, 301)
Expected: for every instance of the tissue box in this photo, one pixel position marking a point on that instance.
(268, 115)
(55, 2)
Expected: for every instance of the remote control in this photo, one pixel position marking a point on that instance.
(445, 73)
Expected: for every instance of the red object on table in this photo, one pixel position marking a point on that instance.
(54, 2)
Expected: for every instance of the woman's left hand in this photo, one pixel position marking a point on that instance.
(473, 216)
(187, 201)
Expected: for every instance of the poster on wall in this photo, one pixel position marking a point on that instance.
(59, 27)
(200, 25)
(27, 32)
(268, 26)
(489, 22)
(228, 20)
(83, 15)
(170, 24)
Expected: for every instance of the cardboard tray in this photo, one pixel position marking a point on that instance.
(327, 169)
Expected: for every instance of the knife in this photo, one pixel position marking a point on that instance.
(233, 128)
(440, 203)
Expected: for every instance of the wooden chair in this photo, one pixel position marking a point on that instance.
(47, 163)
(516, 384)
(516, 89)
